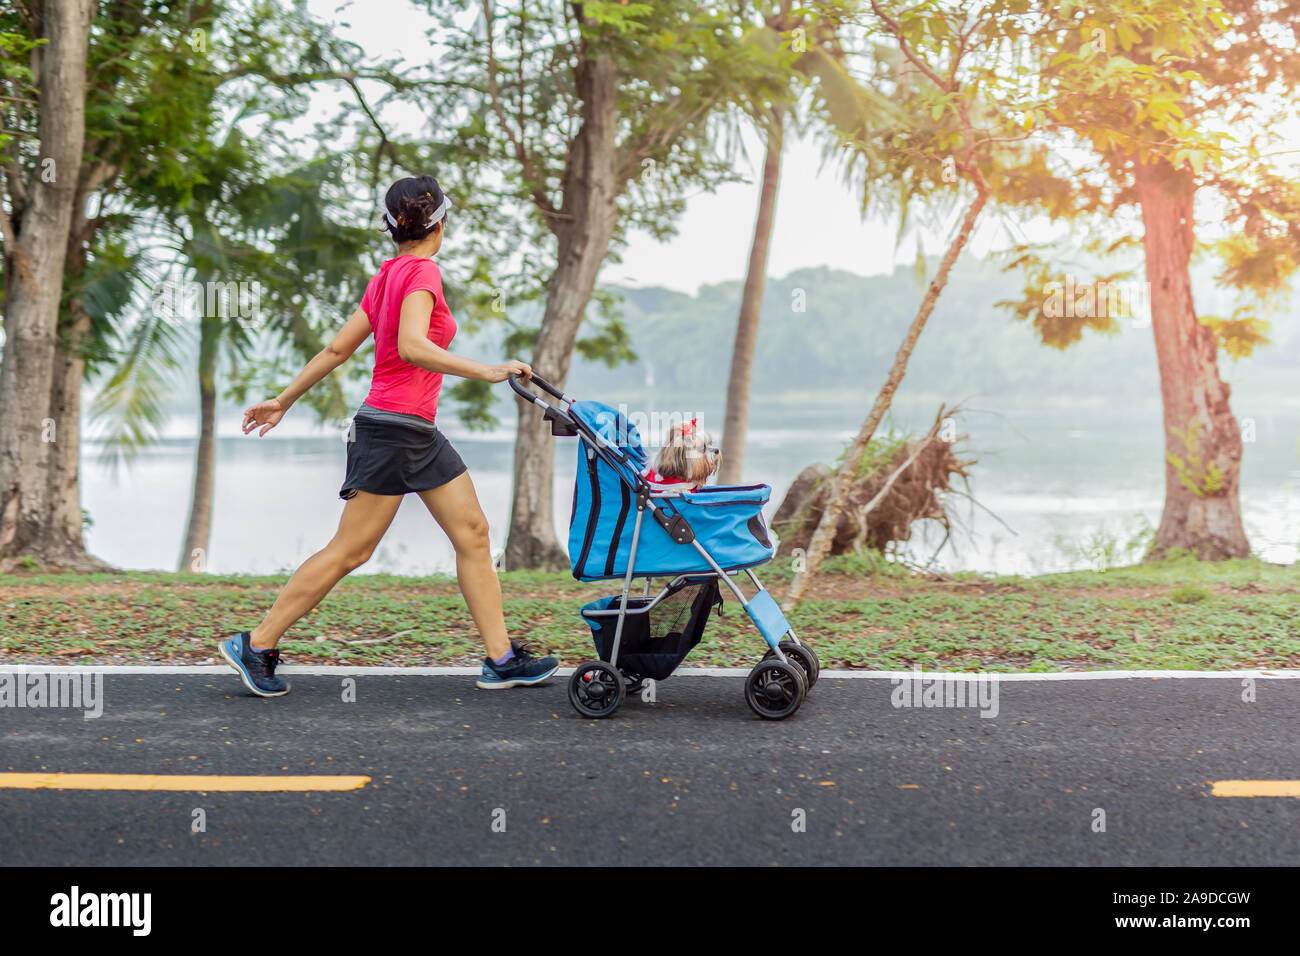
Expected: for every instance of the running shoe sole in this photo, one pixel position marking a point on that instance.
(516, 682)
(243, 675)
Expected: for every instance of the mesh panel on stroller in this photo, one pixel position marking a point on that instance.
(656, 636)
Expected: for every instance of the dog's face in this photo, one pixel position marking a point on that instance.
(689, 454)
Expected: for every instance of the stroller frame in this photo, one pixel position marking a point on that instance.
(775, 688)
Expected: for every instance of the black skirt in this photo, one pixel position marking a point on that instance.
(388, 457)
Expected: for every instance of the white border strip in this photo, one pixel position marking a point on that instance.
(315, 670)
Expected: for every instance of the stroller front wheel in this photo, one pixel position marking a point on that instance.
(596, 689)
(774, 689)
(804, 656)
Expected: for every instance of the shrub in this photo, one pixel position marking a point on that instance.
(1188, 594)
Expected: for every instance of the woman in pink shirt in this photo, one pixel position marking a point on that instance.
(395, 448)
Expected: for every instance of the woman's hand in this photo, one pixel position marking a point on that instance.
(267, 413)
(499, 373)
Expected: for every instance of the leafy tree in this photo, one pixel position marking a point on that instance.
(1019, 81)
(163, 79)
(845, 110)
(45, 187)
(1181, 105)
(276, 268)
(573, 123)
(951, 110)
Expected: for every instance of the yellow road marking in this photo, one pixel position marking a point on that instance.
(1256, 788)
(150, 781)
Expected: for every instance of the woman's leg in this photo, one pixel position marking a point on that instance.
(455, 506)
(365, 519)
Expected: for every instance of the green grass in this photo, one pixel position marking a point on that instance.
(1177, 614)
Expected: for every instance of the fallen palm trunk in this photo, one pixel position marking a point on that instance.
(882, 504)
(966, 163)
(819, 544)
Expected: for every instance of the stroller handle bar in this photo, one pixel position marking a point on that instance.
(562, 423)
(517, 384)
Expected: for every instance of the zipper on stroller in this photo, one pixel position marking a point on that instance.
(618, 529)
(593, 514)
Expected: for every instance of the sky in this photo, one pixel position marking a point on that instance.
(818, 223)
(818, 220)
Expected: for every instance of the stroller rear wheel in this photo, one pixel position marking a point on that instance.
(774, 689)
(804, 656)
(596, 689)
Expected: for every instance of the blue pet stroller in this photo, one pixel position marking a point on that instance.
(697, 540)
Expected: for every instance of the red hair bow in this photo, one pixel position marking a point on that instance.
(689, 427)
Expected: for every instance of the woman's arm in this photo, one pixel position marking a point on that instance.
(268, 414)
(355, 331)
(413, 346)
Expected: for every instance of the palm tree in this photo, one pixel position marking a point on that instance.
(278, 238)
(848, 111)
(735, 428)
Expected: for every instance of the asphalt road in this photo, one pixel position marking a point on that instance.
(693, 778)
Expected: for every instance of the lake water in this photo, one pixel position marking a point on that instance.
(1044, 477)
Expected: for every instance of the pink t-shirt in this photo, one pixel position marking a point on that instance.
(397, 385)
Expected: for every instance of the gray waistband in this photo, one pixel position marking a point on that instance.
(372, 414)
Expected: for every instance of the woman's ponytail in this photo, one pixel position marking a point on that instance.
(413, 208)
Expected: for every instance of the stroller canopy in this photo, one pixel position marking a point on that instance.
(727, 521)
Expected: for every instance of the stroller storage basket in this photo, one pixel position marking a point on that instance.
(657, 632)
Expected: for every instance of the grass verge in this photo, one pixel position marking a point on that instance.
(1177, 614)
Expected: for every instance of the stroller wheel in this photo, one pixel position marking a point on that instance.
(596, 689)
(775, 689)
(804, 656)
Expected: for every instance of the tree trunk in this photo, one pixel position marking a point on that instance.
(735, 429)
(824, 536)
(65, 545)
(194, 553)
(1202, 441)
(584, 232)
(35, 256)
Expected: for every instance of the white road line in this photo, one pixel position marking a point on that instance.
(312, 670)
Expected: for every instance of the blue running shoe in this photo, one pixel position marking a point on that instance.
(257, 671)
(523, 669)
